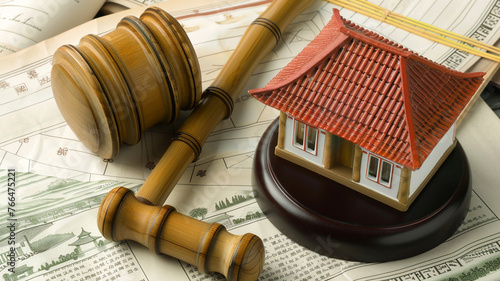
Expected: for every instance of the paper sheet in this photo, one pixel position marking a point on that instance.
(134, 3)
(199, 4)
(60, 184)
(26, 22)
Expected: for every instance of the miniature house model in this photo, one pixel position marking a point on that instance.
(367, 113)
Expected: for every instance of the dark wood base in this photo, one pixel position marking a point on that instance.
(335, 221)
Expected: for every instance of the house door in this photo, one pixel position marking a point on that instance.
(339, 156)
(345, 152)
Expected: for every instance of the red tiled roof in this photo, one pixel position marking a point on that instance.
(359, 86)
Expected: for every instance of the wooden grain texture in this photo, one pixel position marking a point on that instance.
(140, 74)
(338, 222)
(112, 88)
(328, 152)
(165, 231)
(282, 128)
(356, 166)
(259, 39)
(404, 185)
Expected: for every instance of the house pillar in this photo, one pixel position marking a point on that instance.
(282, 130)
(327, 153)
(356, 165)
(404, 185)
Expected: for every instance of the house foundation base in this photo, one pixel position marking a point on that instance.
(336, 221)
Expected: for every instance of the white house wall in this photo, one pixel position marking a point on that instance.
(390, 191)
(418, 176)
(316, 158)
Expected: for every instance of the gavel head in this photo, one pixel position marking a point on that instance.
(165, 231)
(110, 89)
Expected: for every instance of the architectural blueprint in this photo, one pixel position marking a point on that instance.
(59, 183)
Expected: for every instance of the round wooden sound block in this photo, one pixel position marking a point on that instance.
(335, 221)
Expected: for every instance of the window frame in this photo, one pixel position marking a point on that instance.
(305, 137)
(378, 170)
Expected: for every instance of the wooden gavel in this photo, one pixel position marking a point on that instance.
(111, 89)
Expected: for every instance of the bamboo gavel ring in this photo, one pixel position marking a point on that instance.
(163, 230)
(112, 88)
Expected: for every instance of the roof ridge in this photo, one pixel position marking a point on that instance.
(414, 160)
(353, 30)
(362, 34)
(312, 54)
(355, 102)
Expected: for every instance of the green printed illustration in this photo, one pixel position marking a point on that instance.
(198, 213)
(230, 211)
(48, 226)
(477, 272)
(236, 199)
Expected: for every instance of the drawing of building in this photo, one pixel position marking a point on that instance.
(18, 250)
(85, 242)
(367, 113)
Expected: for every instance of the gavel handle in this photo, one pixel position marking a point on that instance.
(165, 231)
(217, 103)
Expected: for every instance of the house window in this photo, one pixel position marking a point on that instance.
(379, 170)
(299, 133)
(386, 172)
(312, 136)
(373, 167)
(305, 137)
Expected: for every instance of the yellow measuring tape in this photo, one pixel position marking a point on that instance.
(422, 29)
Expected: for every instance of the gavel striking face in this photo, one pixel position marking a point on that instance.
(111, 89)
